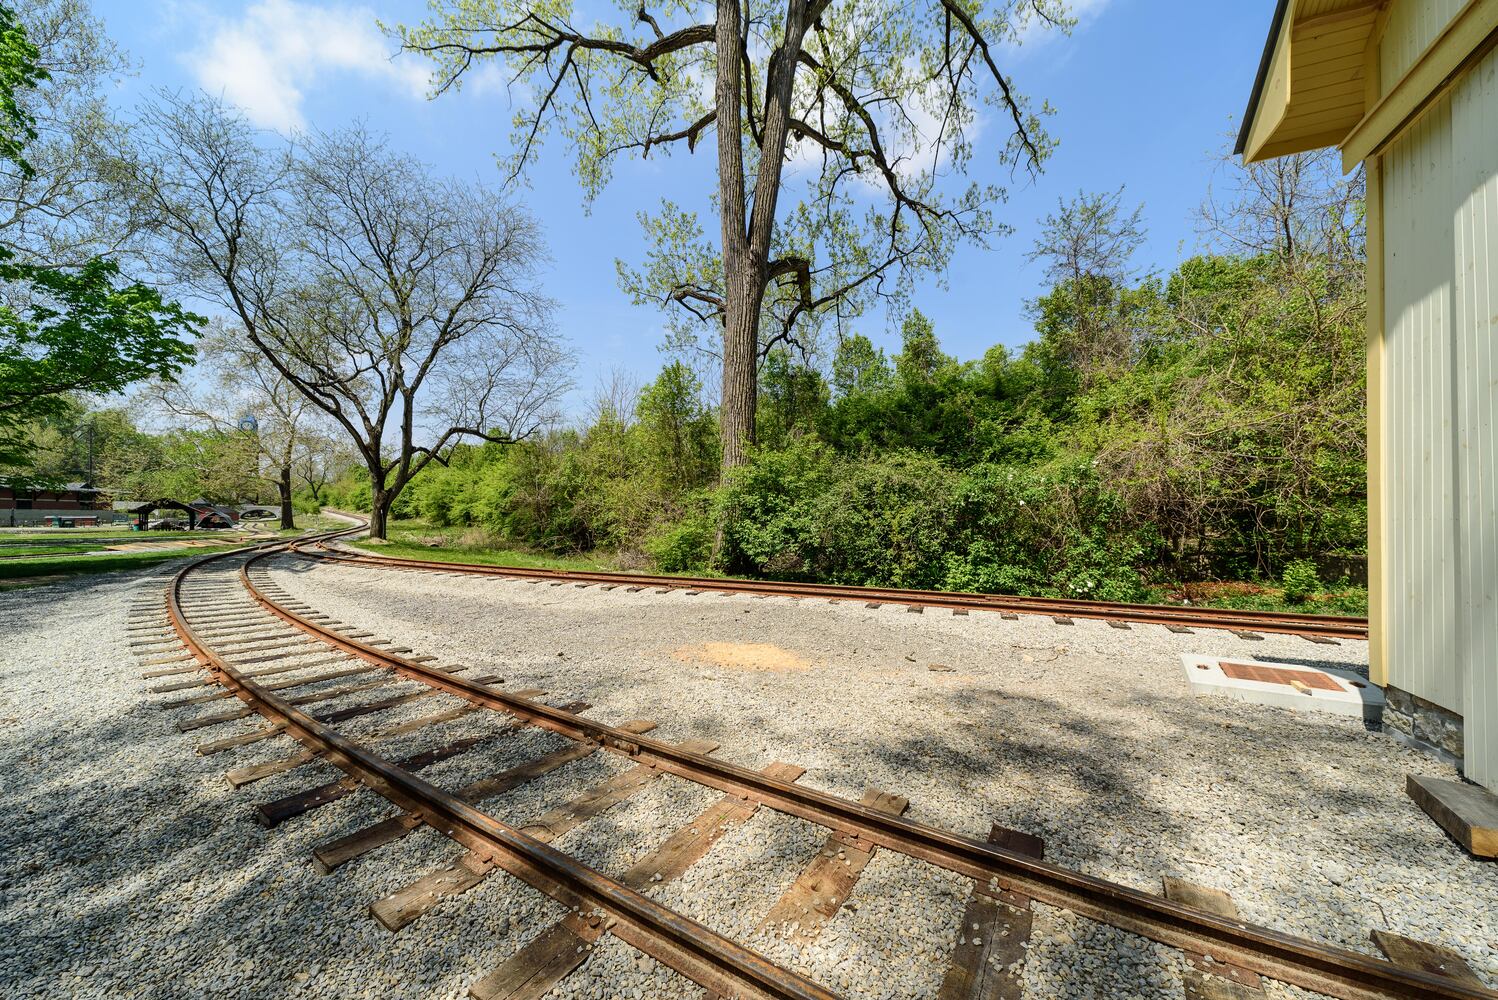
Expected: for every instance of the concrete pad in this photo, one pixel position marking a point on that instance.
(1284, 685)
(1468, 812)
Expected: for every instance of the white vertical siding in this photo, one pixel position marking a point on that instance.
(1474, 186)
(1440, 205)
(1417, 309)
(1412, 26)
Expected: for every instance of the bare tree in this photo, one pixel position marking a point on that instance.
(854, 98)
(322, 458)
(248, 396)
(1290, 206)
(65, 210)
(403, 307)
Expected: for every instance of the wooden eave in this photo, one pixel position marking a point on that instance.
(1313, 91)
(1310, 91)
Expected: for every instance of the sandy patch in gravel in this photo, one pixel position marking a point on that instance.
(743, 656)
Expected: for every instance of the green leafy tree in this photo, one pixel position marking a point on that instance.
(64, 329)
(842, 88)
(19, 72)
(858, 367)
(677, 429)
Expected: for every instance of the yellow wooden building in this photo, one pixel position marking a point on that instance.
(1409, 89)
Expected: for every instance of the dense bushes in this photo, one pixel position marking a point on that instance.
(906, 520)
(1207, 423)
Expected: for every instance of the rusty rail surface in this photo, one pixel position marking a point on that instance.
(1281, 622)
(1323, 968)
(713, 961)
(717, 962)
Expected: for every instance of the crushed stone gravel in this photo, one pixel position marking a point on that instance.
(139, 872)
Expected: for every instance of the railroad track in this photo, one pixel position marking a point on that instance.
(226, 637)
(1247, 624)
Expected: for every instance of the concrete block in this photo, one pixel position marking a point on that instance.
(1284, 685)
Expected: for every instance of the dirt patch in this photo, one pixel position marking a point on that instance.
(744, 656)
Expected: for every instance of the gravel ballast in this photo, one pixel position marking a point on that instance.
(137, 871)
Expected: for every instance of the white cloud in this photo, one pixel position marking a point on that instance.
(1037, 32)
(265, 61)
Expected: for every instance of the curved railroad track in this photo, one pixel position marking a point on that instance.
(229, 638)
(1324, 628)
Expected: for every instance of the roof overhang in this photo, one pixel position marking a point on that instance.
(1317, 84)
(1311, 89)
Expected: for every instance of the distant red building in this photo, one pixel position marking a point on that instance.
(21, 505)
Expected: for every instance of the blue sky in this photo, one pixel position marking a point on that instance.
(1146, 93)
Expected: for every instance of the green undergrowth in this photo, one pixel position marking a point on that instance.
(417, 540)
(1345, 600)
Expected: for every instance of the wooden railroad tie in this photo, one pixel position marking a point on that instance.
(239, 777)
(333, 853)
(1203, 977)
(1420, 956)
(543, 963)
(822, 888)
(995, 932)
(406, 904)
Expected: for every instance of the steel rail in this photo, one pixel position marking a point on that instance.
(1281, 622)
(713, 961)
(1326, 969)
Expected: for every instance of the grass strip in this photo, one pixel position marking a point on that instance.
(12, 569)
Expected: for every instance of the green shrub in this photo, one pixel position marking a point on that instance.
(683, 547)
(1300, 581)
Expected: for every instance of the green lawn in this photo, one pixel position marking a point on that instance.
(62, 559)
(7, 551)
(23, 570)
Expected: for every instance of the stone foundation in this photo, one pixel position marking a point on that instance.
(1422, 724)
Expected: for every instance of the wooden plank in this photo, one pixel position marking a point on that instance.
(330, 854)
(369, 708)
(278, 811)
(828, 880)
(1422, 956)
(172, 671)
(530, 973)
(690, 844)
(994, 934)
(1469, 813)
(546, 960)
(409, 902)
(174, 658)
(243, 739)
(555, 822)
(1204, 978)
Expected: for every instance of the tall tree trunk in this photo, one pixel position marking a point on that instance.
(746, 247)
(740, 305)
(283, 486)
(377, 515)
(740, 361)
(380, 500)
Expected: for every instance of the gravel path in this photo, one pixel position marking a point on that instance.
(139, 872)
